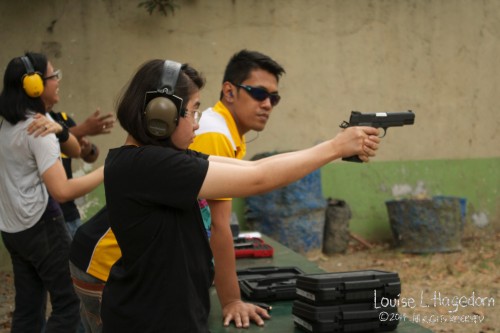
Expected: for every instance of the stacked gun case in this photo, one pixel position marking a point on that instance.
(346, 301)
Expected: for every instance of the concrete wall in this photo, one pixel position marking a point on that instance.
(438, 58)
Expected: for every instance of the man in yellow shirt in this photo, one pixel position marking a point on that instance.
(248, 95)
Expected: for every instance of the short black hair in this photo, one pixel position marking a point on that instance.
(244, 62)
(130, 107)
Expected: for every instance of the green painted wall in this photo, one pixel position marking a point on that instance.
(94, 201)
(366, 187)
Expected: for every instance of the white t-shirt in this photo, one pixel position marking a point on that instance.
(23, 160)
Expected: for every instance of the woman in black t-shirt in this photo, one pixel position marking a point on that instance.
(152, 183)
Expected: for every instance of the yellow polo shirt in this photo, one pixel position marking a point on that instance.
(218, 134)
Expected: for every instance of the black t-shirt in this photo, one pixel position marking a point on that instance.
(161, 282)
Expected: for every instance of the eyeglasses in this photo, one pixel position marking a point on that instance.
(56, 75)
(196, 114)
(260, 94)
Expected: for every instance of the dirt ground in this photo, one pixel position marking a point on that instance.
(437, 281)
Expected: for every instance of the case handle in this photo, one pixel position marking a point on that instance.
(355, 315)
(362, 327)
(366, 284)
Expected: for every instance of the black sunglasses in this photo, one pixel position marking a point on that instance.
(261, 94)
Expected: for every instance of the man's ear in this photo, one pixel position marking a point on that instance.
(227, 91)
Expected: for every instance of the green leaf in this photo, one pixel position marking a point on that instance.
(162, 6)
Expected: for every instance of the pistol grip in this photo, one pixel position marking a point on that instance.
(352, 159)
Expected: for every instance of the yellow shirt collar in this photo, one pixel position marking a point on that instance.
(239, 140)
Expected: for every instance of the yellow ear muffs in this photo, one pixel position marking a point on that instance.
(32, 81)
(33, 85)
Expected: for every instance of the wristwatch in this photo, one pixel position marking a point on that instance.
(93, 149)
(63, 136)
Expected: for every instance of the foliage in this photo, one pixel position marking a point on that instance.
(163, 6)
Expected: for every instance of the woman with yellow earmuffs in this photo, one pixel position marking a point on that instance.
(32, 182)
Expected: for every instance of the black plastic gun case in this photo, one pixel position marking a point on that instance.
(348, 287)
(268, 283)
(357, 317)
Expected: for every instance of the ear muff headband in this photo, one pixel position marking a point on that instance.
(171, 70)
(161, 107)
(32, 81)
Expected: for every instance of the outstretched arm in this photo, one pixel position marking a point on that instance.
(230, 179)
(63, 189)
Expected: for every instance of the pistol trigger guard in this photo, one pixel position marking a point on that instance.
(385, 132)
